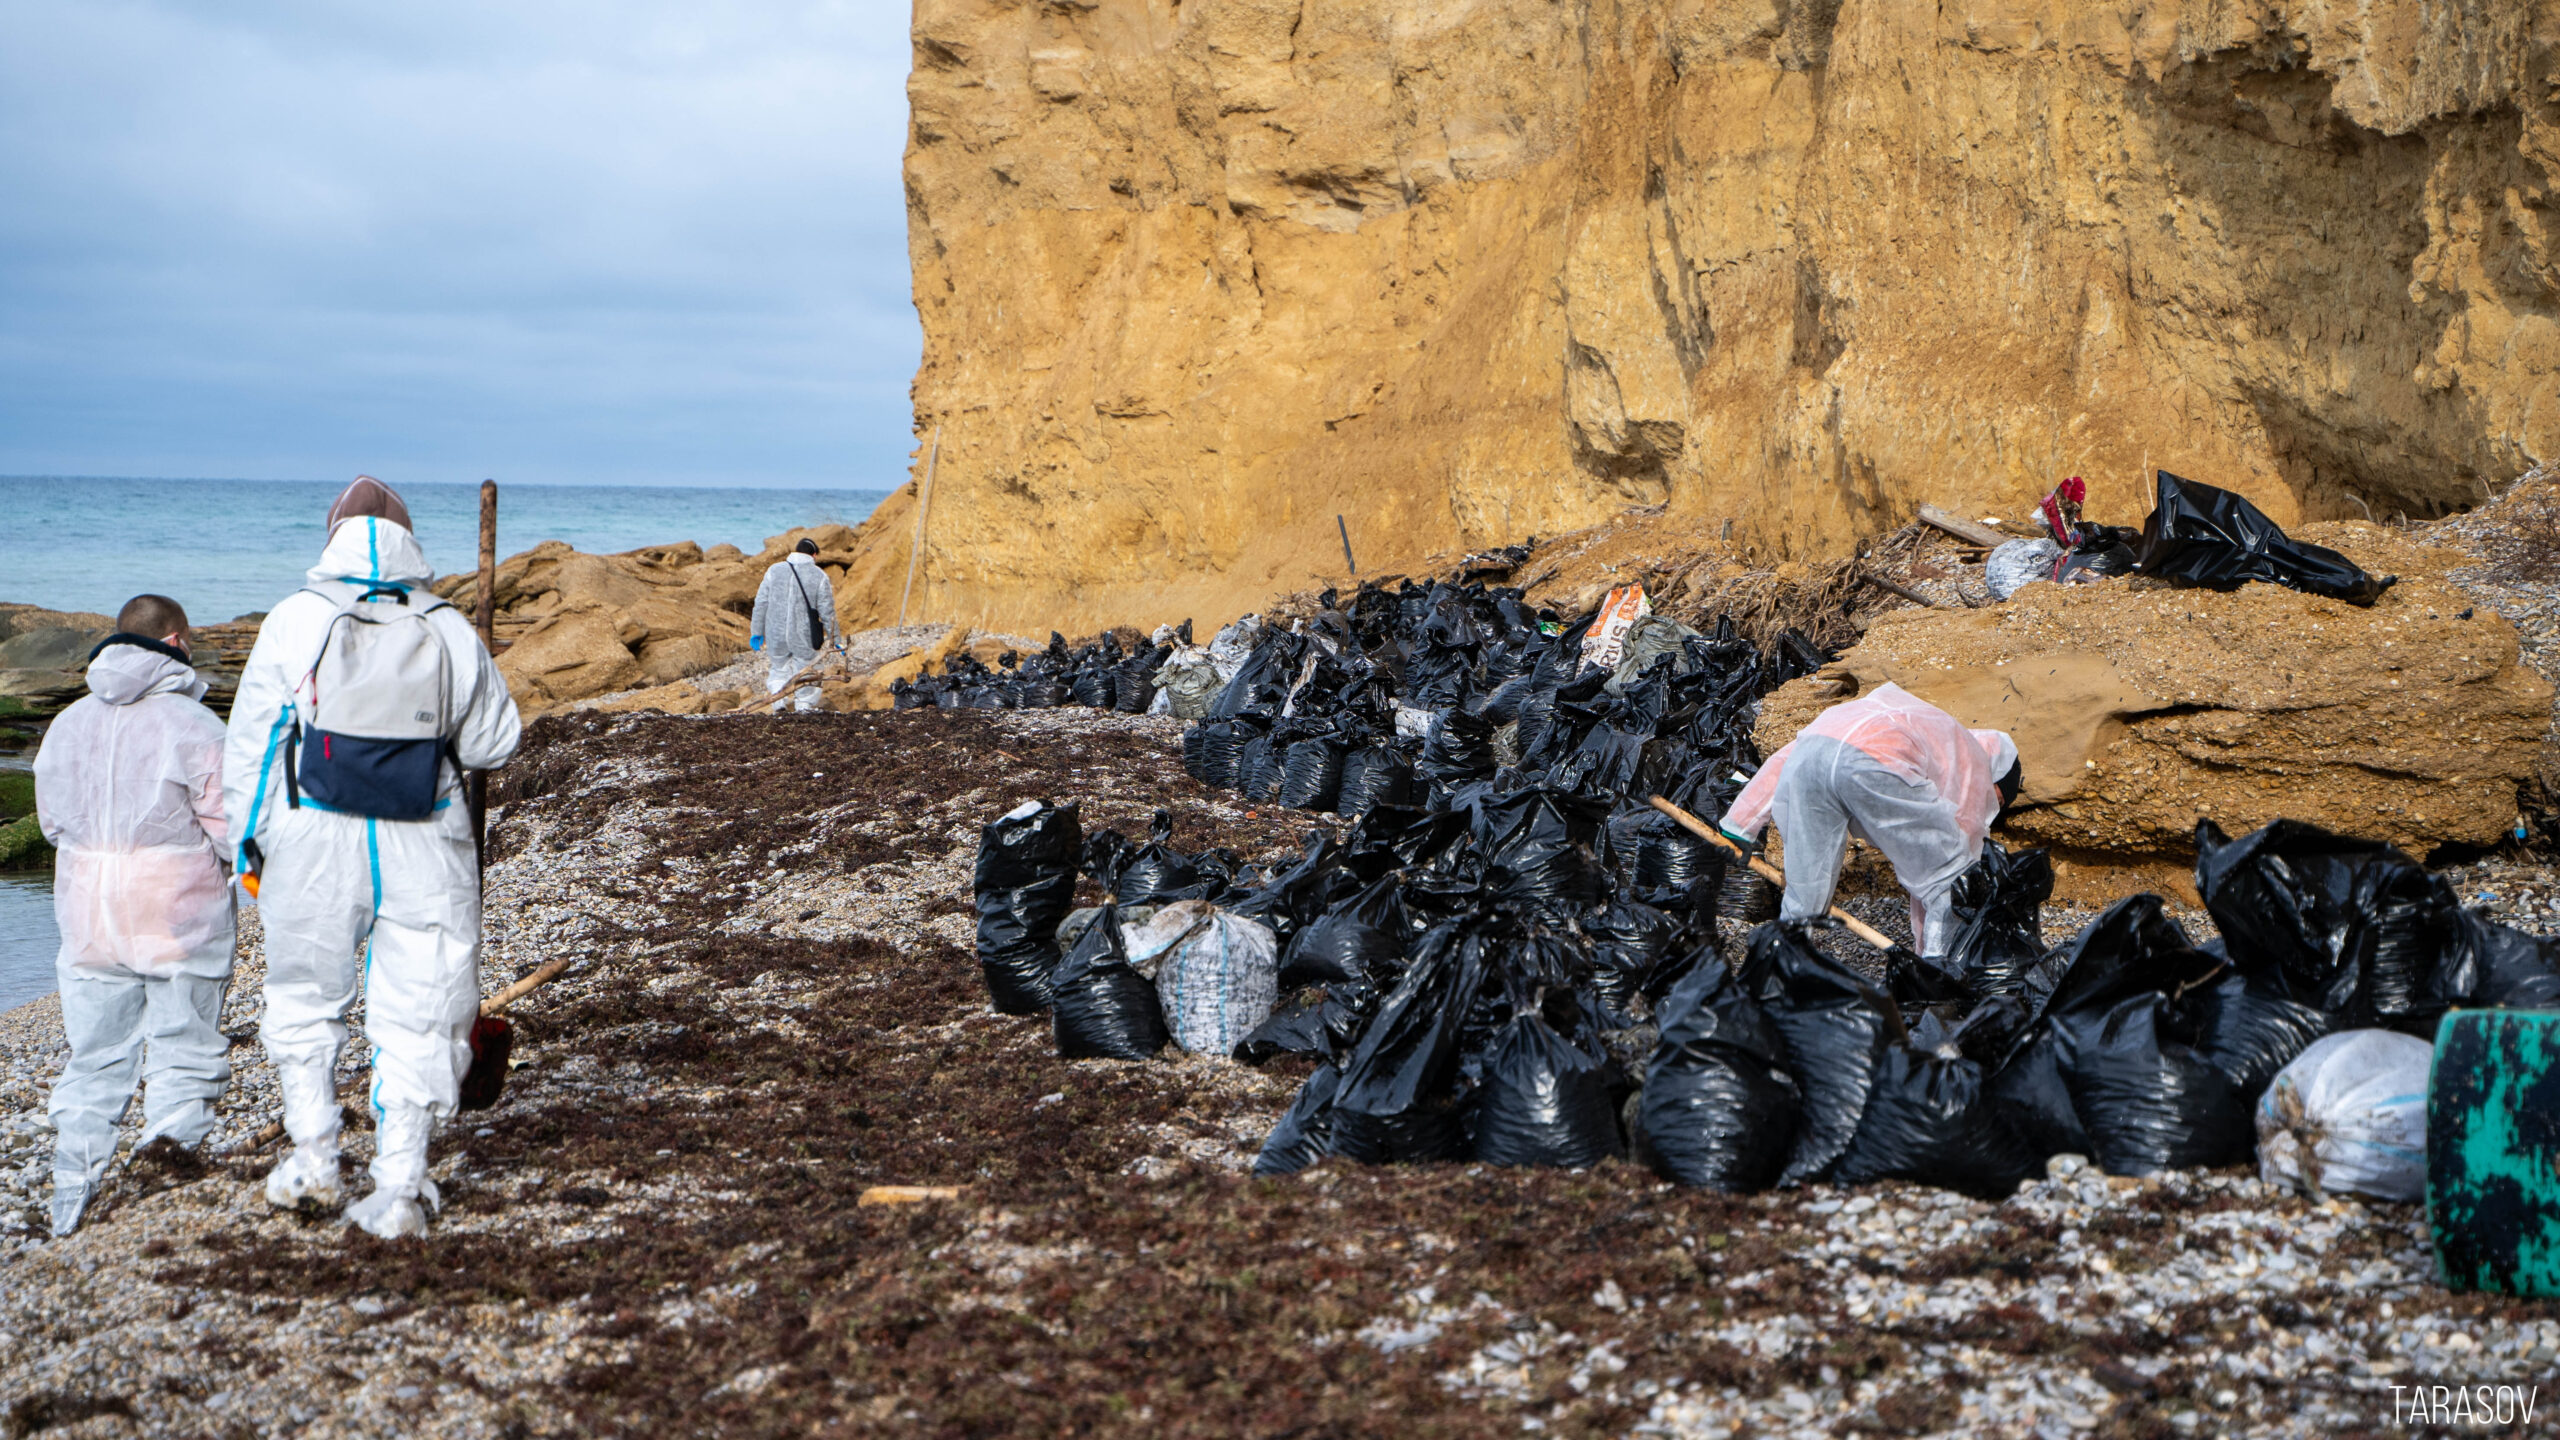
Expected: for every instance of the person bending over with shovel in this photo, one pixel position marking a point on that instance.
(364, 701)
(1895, 771)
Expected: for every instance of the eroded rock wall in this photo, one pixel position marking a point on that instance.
(1195, 277)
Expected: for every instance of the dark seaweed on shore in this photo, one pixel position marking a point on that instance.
(1063, 1295)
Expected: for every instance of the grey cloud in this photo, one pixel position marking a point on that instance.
(638, 241)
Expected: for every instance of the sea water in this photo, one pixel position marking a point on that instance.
(27, 939)
(225, 548)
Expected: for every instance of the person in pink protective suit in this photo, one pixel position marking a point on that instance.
(129, 788)
(1895, 771)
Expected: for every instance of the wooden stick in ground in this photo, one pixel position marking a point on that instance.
(1768, 872)
(924, 502)
(476, 785)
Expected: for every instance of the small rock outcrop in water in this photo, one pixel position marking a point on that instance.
(1194, 279)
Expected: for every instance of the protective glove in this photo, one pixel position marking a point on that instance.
(755, 642)
(1749, 848)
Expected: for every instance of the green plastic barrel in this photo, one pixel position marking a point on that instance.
(2493, 1151)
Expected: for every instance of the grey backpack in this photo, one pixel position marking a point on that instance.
(376, 730)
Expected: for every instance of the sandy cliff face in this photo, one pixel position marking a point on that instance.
(1197, 275)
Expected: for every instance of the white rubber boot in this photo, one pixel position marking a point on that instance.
(71, 1196)
(399, 1176)
(307, 1179)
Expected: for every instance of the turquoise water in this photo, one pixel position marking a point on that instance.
(224, 548)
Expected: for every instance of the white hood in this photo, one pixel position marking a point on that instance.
(122, 674)
(367, 548)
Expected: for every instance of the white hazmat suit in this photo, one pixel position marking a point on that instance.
(406, 890)
(129, 790)
(791, 590)
(1895, 771)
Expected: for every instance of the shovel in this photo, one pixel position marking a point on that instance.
(1768, 872)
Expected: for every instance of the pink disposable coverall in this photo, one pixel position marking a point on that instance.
(1895, 771)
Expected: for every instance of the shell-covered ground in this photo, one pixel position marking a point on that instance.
(774, 1006)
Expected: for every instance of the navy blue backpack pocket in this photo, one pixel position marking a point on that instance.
(386, 779)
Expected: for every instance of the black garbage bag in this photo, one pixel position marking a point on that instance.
(2489, 964)
(2198, 535)
(1258, 768)
(1719, 1107)
(1931, 1119)
(1095, 688)
(1998, 909)
(1408, 1056)
(1372, 777)
(1026, 884)
(1219, 761)
(1411, 1137)
(1100, 1007)
(1837, 1028)
(1305, 1132)
(1414, 837)
(1458, 747)
(1044, 694)
(1323, 1021)
(1156, 873)
(1289, 900)
(1310, 775)
(1545, 1099)
(2247, 1030)
(1635, 950)
(1746, 899)
(2109, 1072)
(1359, 939)
(1133, 683)
(1667, 857)
(1537, 844)
(2148, 1101)
(2352, 927)
(1263, 679)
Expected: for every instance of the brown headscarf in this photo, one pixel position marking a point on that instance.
(368, 496)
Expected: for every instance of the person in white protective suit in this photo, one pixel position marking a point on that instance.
(129, 790)
(794, 621)
(363, 703)
(1891, 769)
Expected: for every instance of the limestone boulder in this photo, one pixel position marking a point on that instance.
(572, 655)
(51, 647)
(666, 660)
(2139, 708)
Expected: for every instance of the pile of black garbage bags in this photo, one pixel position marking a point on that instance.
(1508, 956)
(1101, 676)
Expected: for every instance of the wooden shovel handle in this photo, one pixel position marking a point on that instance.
(1768, 872)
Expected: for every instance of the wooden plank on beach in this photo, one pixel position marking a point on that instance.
(907, 1194)
(1969, 531)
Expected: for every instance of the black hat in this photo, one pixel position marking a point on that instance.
(806, 546)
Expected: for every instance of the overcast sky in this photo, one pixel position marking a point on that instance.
(544, 240)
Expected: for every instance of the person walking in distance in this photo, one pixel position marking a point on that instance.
(129, 790)
(795, 621)
(364, 702)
